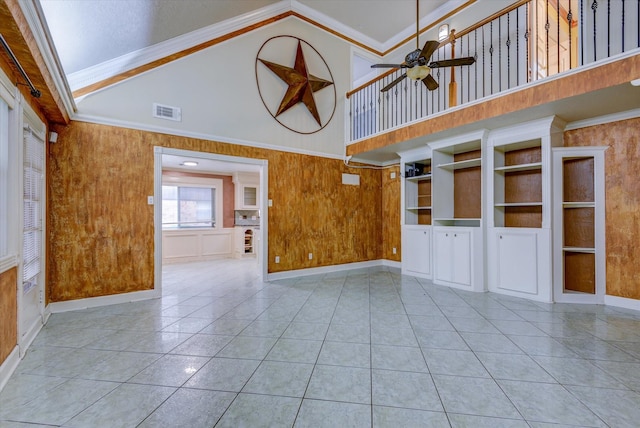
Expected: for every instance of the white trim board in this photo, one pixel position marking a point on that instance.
(330, 269)
(622, 302)
(9, 366)
(201, 136)
(94, 302)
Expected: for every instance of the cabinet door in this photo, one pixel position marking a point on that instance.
(517, 262)
(461, 257)
(442, 256)
(416, 251)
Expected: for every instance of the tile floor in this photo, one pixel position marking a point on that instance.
(359, 348)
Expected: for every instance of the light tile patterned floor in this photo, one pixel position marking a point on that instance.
(360, 348)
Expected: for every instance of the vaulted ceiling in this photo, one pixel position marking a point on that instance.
(90, 36)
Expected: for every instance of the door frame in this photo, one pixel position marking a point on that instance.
(157, 209)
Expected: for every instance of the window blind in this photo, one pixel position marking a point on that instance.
(33, 171)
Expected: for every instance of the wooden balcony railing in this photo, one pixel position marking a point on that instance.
(525, 42)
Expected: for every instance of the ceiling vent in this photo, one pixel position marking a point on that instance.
(167, 112)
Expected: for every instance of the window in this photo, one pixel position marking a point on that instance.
(188, 206)
(32, 213)
(4, 176)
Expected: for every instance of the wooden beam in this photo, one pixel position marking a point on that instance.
(16, 31)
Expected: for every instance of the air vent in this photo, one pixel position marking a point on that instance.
(167, 112)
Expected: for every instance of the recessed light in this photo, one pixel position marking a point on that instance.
(635, 82)
(189, 163)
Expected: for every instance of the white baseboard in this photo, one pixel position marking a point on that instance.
(328, 269)
(391, 263)
(93, 302)
(8, 366)
(622, 302)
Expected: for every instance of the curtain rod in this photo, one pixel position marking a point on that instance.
(34, 92)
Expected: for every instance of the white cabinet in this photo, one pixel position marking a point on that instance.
(520, 262)
(247, 194)
(519, 208)
(458, 257)
(416, 251)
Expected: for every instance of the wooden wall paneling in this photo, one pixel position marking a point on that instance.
(8, 312)
(391, 232)
(529, 216)
(467, 193)
(580, 272)
(622, 199)
(523, 156)
(523, 186)
(101, 228)
(578, 183)
(579, 227)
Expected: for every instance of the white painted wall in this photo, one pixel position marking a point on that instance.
(217, 91)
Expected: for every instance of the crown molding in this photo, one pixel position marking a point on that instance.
(201, 136)
(601, 120)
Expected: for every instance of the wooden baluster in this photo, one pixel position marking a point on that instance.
(453, 86)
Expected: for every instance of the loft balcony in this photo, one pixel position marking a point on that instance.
(570, 58)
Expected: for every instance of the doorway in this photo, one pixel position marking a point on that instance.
(218, 165)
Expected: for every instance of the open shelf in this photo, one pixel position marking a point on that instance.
(523, 167)
(578, 218)
(468, 222)
(578, 204)
(419, 177)
(517, 176)
(463, 164)
(579, 250)
(519, 204)
(417, 193)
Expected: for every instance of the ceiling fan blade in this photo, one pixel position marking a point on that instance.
(394, 83)
(429, 48)
(452, 62)
(430, 83)
(389, 66)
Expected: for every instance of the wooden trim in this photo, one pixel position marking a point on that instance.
(143, 68)
(491, 18)
(18, 34)
(178, 55)
(335, 33)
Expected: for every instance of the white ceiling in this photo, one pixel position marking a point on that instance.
(87, 33)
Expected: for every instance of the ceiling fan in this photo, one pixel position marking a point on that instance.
(417, 62)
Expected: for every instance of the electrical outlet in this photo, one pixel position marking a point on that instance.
(310, 256)
(393, 175)
(270, 202)
(394, 250)
(149, 200)
(277, 259)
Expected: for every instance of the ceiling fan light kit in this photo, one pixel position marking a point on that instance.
(418, 72)
(417, 62)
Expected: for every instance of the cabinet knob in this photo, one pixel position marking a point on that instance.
(446, 234)
(424, 233)
(500, 236)
(455, 234)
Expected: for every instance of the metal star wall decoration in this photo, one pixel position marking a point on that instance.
(301, 84)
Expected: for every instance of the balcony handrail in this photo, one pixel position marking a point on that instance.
(455, 35)
(525, 42)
